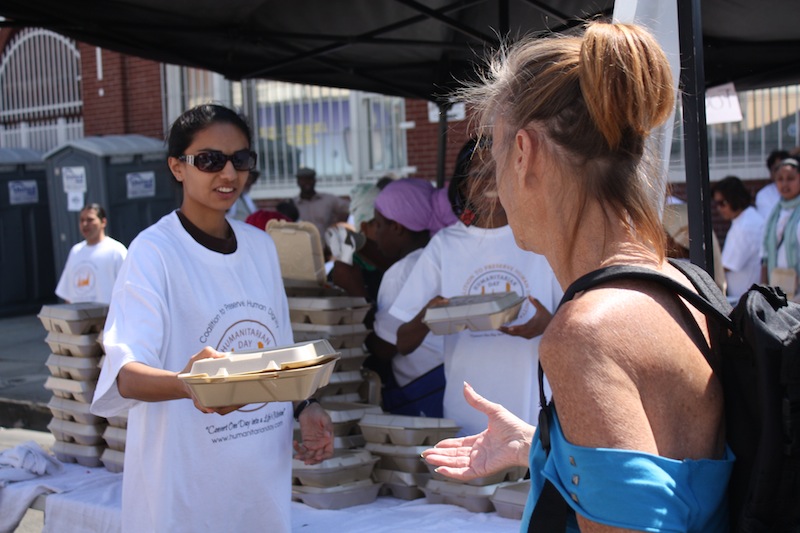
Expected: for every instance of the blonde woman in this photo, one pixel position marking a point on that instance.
(637, 439)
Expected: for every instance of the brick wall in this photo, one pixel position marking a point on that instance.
(423, 141)
(126, 100)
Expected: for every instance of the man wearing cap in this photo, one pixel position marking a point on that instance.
(321, 209)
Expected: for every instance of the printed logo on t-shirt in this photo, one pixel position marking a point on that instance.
(245, 336)
(84, 278)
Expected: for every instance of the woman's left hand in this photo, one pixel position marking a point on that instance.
(533, 327)
(316, 430)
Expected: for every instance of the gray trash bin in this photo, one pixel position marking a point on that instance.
(126, 174)
(27, 276)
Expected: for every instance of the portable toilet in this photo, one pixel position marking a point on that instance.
(27, 275)
(126, 174)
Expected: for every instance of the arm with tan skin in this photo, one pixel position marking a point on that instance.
(148, 384)
(411, 334)
(617, 388)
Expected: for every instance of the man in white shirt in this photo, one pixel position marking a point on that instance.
(92, 264)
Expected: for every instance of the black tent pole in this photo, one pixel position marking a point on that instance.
(441, 158)
(695, 140)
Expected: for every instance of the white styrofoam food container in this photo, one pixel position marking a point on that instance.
(402, 458)
(68, 431)
(351, 359)
(74, 345)
(300, 253)
(74, 318)
(338, 497)
(115, 437)
(509, 499)
(403, 485)
(84, 455)
(82, 391)
(471, 498)
(406, 430)
(340, 336)
(280, 358)
(77, 368)
(113, 460)
(343, 383)
(346, 466)
(513, 473)
(242, 389)
(345, 415)
(72, 410)
(477, 312)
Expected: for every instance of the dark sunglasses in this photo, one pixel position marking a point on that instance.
(216, 161)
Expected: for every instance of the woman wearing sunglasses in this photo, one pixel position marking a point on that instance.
(196, 285)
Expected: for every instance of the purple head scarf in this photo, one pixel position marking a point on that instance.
(409, 202)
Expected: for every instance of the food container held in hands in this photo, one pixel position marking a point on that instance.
(289, 373)
(476, 312)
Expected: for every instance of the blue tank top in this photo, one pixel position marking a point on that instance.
(631, 489)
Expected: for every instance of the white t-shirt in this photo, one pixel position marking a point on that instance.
(461, 260)
(766, 199)
(186, 470)
(428, 355)
(90, 271)
(741, 255)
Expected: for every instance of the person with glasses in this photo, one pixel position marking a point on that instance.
(196, 285)
(741, 253)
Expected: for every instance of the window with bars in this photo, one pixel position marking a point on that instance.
(40, 91)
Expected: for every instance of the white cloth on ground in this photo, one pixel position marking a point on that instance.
(26, 461)
(16, 498)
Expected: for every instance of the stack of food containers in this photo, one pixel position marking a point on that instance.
(72, 336)
(318, 311)
(115, 434)
(509, 500)
(344, 480)
(399, 442)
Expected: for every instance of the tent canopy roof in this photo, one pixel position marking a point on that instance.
(411, 48)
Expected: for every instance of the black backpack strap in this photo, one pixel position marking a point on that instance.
(709, 299)
(550, 512)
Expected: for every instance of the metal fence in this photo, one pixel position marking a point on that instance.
(348, 137)
(40, 91)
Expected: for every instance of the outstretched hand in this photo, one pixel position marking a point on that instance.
(316, 431)
(505, 443)
(533, 327)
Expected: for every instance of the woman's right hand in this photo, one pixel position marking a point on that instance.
(505, 443)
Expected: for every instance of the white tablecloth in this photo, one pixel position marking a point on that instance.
(89, 499)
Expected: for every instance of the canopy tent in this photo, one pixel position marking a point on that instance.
(422, 48)
(410, 48)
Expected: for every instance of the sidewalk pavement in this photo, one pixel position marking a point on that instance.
(23, 353)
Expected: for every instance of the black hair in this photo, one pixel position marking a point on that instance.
(101, 213)
(735, 193)
(288, 208)
(776, 156)
(194, 120)
(459, 191)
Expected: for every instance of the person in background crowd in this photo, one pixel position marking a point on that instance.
(198, 285)
(321, 209)
(636, 428)
(93, 264)
(741, 254)
(413, 384)
(768, 196)
(244, 205)
(478, 255)
(780, 254)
